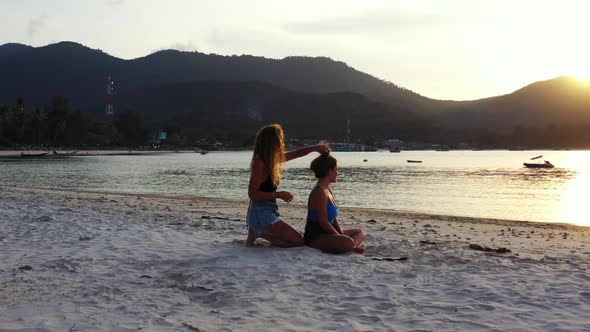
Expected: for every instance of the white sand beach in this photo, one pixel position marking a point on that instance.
(83, 261)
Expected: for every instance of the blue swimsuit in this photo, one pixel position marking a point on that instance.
(333, 212)
(313, 229)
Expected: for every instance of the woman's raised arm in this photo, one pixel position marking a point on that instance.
(320, 148)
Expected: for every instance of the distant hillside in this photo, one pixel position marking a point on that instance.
(215, 108)
(79, 72)
(173, 82)
(563, 101)
(65, 69)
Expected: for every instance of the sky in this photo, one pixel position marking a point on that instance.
(451, 49)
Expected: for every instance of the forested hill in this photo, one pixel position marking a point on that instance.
(217, 108)
(79, 72)
(314, 96)
(559, 102)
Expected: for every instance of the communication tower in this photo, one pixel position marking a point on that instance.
(109, 100)
(348, 128)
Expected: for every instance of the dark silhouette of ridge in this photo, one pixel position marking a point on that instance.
(216, 107)
(72, 69)
(11, 49)
(78, 72)
(562, 101)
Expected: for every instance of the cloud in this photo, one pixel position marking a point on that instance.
(379, 22)
(114, 2)
(184, 47)
(233, 41)
(35, 25)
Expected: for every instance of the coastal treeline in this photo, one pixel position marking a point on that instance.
(59, 124)
(342, 117)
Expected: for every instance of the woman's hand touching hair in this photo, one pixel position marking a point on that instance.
(322, 149)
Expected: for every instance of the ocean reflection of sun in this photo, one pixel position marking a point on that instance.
(575, 206)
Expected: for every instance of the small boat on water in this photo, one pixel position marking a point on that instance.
(414, 161)
(546, 164)
(33, 155)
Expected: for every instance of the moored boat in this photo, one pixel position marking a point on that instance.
(546, 164)
(32, 155)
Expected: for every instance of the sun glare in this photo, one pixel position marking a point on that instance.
(583, 76)
(580, 69)
(574, 205)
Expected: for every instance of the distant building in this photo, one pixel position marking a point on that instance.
(160, 139)
(393, 143)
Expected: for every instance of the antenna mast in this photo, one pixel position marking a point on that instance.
(109, 100)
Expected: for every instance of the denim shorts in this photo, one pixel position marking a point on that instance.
(261, 214)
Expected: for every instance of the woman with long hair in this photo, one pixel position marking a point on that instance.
(322, 229)
(265, 176)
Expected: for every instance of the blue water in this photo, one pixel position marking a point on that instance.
(491, 184)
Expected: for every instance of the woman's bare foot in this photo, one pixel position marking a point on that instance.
(358, 250)
(251, 237)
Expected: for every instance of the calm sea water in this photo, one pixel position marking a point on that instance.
(489, 184)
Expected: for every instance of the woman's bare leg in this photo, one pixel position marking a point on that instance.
(333, 243)
(282, 235)
(251, 237)
(357, 234)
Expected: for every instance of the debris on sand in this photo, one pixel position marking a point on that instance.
(428, 242)
(488, 249)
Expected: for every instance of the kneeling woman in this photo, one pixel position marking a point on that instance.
(322, 230)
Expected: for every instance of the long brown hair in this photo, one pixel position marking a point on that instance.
(270, 149)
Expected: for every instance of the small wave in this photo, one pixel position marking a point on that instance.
(43, 218)
(177, 172)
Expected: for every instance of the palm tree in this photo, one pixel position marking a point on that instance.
(58, 117)
(19, 118)
(37, 120)
(3, 111)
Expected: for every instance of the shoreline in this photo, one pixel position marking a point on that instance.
(244, 204)
(111, 261)
(239, 149)
(93, 153)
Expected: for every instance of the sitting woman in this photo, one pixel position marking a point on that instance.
(322, 230)
(263, 215)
